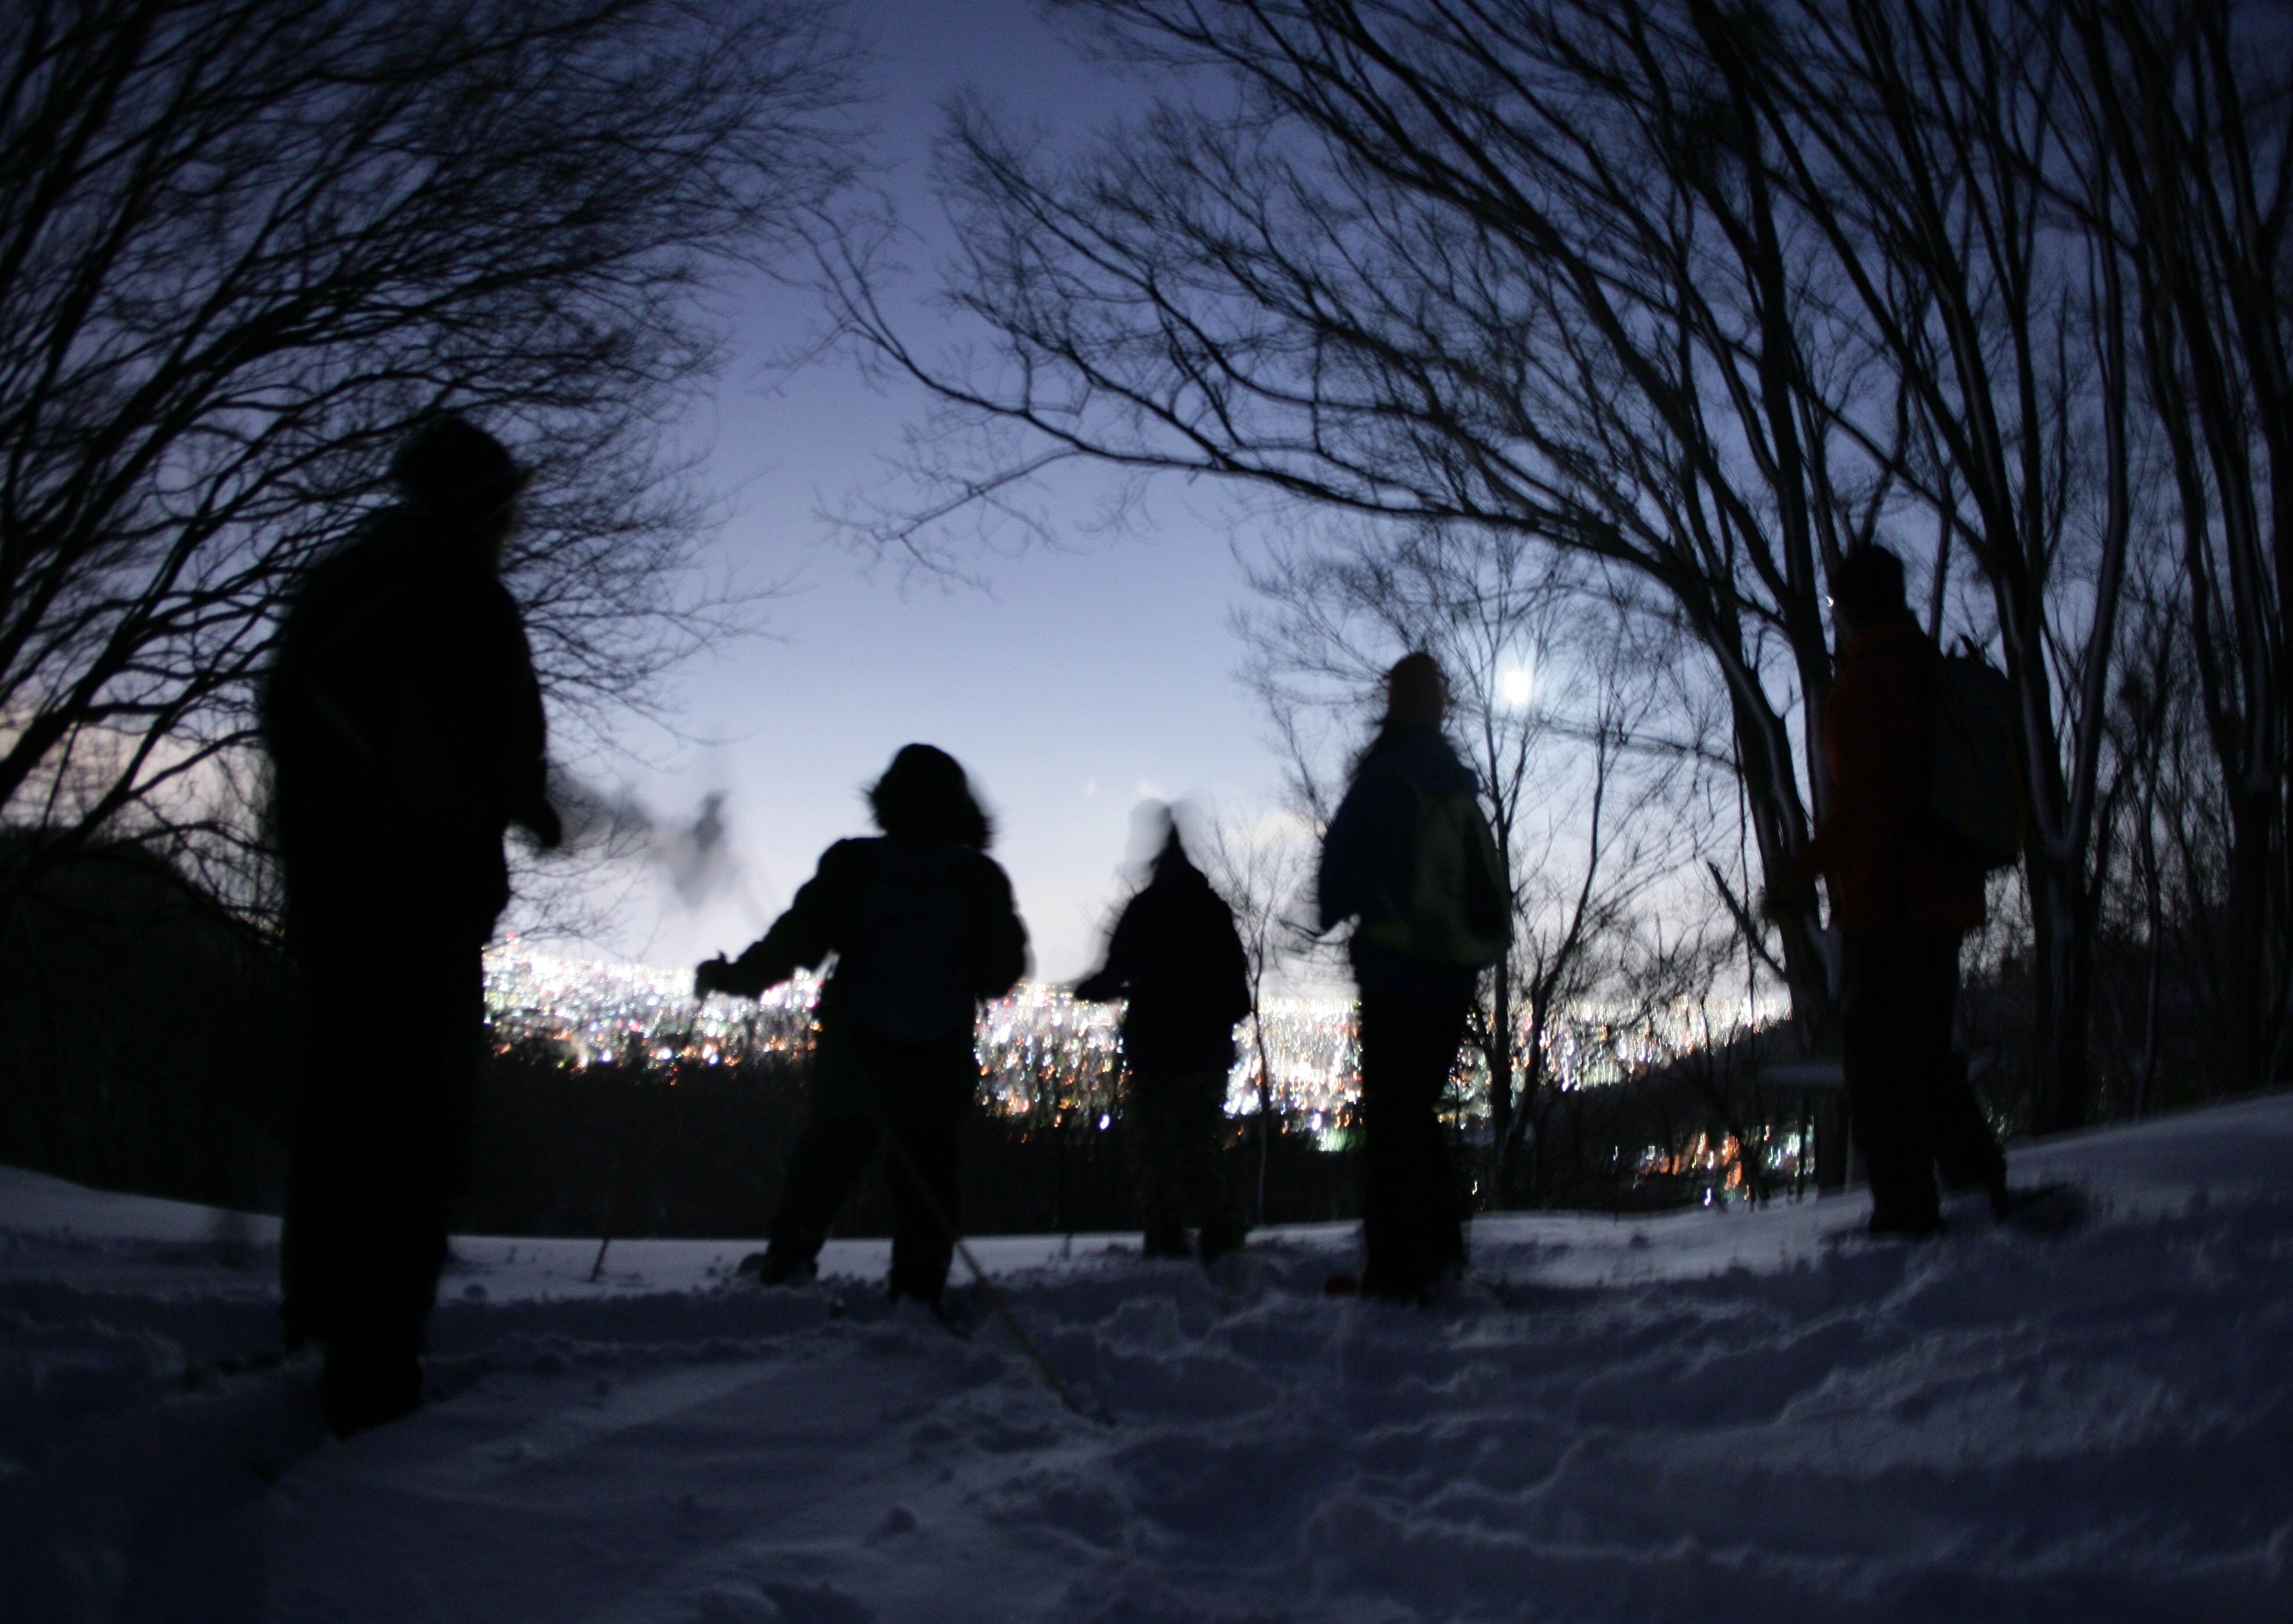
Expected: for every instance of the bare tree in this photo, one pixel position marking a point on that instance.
(242, 241)
(2189, 110)
(1926, 147)
(2066, 223)
(1707, 293)
(1513, 265)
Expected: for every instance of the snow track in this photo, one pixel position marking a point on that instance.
(1709, 1416)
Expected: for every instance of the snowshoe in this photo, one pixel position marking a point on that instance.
(956, 1314)
(1906, 1226)
(950, 1310)
(775, 1267)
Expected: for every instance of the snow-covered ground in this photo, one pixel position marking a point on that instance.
(1707, 1416)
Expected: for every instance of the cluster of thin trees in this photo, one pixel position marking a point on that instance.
(244, 242)
(1611, 325)
(1577, 339)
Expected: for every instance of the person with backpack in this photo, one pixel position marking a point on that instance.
(1410, 859)
(1175, 956)
(406, 735)
(922, 925)
(1906, 886)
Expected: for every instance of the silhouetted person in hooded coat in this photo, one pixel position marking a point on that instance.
(406, 735)
(1409, 857)
(1175, 956)
(922, 923)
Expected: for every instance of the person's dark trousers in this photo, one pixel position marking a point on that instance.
(1177, 1119)
(1412, 1228)
(863, 1088)
(1912, 1110)
(393, 1031)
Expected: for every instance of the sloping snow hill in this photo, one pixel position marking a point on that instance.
(1708, 1417)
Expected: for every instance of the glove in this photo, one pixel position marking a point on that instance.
(716, 975)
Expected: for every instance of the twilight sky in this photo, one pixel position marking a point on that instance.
(1080, 681)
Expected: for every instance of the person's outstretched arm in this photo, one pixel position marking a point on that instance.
(1112, 979)
(799, 939)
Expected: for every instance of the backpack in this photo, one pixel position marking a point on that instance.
(1974, 777)
(1457, 911)
(907, 972)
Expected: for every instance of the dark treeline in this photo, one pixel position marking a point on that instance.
(146, 1034)
(699, 1150)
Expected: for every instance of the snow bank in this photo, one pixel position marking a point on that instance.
(1704, 1417)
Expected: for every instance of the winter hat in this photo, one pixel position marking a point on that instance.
(1416, 693)
(455, 470)
(924, 796)
(1867, 586)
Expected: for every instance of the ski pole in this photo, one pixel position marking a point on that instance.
(628, 1191)
(995, 1299)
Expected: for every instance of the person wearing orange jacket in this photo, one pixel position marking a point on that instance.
(1902, 905)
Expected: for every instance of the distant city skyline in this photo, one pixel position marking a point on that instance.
(1038, 1048)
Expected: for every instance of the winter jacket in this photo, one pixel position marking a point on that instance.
(922, 933)
(1884, 874)
(1367, 865)
(1174, 954)
(406, 732)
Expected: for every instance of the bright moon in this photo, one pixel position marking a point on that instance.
(1516, 686)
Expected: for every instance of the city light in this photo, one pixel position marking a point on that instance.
(1043, 1056)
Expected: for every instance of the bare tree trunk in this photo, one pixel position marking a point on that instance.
(1264, 1090)
(1500, 1062)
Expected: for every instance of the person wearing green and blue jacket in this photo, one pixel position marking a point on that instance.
(1409, 858)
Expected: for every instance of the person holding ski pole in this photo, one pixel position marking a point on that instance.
(922, 925)
(1410, 859)
(1174, 956)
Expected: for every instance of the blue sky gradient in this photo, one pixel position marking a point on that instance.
(1081, 679)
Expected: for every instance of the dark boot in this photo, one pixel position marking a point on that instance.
(778, 1264)
(1165, 1240)
(362, 1389)
(1919, 1225)
(1220, 1237)
(914, 1285)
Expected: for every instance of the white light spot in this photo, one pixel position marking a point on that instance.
(1516, 687)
